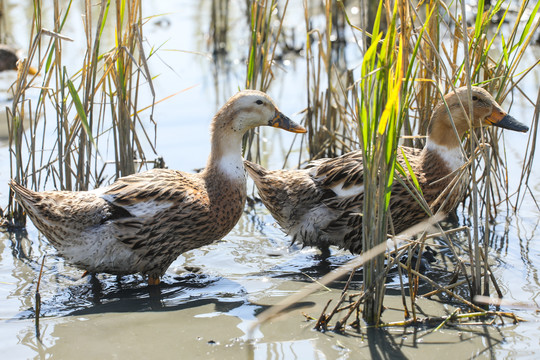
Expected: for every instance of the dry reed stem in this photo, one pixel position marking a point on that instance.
(442, 320)
(80, 111)
(337, 273)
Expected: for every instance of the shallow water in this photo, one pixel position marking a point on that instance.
(210, 296)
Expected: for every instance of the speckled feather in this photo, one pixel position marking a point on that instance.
(305, 205)
(322, 204)
(143, 222)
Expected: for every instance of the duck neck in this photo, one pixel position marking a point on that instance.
(451, 156)
(443, 140)
(225, 160)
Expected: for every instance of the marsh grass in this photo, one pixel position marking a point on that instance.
(93, 110)
(326, 115)
(440, 64)
(412, 54)
(264, 40)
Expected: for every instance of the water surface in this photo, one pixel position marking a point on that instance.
(210, 296)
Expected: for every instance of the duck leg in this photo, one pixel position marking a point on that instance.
(153, 280)
(325, 252)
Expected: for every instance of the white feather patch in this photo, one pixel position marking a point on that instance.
(452, 157)
(143, 208)
(349, 191)
(98, 191)
(147, 208)
(232, 166)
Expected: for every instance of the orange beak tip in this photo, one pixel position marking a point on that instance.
(283, 122)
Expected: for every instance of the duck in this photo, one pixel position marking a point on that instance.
(142, 222)
(321, 204)
(9, 58)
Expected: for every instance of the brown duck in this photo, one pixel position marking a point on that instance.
(143, 222)
(321, 205)
(9, 59)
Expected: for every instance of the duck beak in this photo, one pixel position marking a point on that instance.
(283, 122)
(501, 119)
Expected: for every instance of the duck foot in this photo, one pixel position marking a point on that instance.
(153, 280)
(325, 252)
(427, 257)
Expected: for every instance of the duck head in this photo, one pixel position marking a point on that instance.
(9, 59)
(249, 109)
(244, 111)
(486, 112)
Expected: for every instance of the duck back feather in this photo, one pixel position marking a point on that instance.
(322, 204)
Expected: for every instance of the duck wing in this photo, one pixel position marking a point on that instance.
(63, 216)
(340, 173)
(165, 207)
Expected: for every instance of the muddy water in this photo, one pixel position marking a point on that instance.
(210, 297)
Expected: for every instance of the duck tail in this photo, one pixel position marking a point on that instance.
(255, 170)
(24, 195)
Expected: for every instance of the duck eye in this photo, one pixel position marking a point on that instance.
(259, 102)
(475, 98)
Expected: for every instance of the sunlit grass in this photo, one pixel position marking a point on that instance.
(92, 111)
(412, 52)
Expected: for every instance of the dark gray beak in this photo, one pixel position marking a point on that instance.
(503, 120)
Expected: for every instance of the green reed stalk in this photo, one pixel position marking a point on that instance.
(379, 120)
(440, 66)
(264, 39)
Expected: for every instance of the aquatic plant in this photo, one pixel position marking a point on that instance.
(93, 109)
(413, 53)
(264, 38)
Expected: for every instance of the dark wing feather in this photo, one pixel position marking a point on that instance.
(345, 169)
